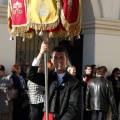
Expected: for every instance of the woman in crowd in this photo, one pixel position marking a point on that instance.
(50, 66)
(115, 79)
(72, 70)
(19, 84)
(5, 105)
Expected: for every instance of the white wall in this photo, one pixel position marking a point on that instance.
(109, 9)
(7, 47)
(101, 30)
(107, 51)
(88, 50)
(102, 50)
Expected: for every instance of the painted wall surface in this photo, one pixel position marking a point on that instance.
(88, 50)
(5, 2)
(7, 48)
(107, 51)
(109, 9)
(103, 49)
(101, 30)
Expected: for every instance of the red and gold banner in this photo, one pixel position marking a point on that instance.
(17, 18)
(18, 12)
(56, 17)
(71, 16)
(70, 19)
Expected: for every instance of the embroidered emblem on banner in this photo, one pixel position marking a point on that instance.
(43, 10)
(17, 8)
(69, 5)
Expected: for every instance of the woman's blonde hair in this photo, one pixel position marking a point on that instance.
(70, 67)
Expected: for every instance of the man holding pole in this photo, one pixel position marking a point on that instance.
(64, 89)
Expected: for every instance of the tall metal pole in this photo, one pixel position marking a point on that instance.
(46, 84)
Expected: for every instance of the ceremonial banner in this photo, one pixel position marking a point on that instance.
(57, 32)
(17, 18)
(18, 12)
(71, 16)
(43, 14)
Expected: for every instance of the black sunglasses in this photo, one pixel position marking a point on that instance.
(26, 65)
(117, 73)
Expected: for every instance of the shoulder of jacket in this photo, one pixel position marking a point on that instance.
(109, 82)
(74, 81)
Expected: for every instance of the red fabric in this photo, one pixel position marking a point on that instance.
(87, 80)
(18, 12)
(58, 28)
(71, 10)
(50, 116)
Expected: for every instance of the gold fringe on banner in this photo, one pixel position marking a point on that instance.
(70, 17)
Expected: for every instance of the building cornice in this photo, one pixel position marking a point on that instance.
(101, 25)
(3, 14)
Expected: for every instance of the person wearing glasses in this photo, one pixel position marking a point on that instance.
(24, 70)
(115, 79)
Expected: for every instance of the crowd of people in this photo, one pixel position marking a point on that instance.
(97, 90)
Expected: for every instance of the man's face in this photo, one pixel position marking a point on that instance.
(88, 70)
(59, 61)
(25, 66)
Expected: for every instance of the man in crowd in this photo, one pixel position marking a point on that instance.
(99, 95)
(64, 89)
(24, 70)
(85, 79)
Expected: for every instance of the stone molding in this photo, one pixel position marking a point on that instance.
(3, 14)
(101, 26)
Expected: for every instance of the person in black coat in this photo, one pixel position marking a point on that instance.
(64, 89)
(85, 79)
(115, 79)
(99, 95)
(19, 104)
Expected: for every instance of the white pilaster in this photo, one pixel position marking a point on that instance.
(101, 42)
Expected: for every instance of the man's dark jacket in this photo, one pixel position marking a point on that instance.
(99, 95)
(64, 101)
